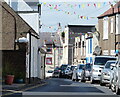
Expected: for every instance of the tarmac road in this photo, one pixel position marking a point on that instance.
(66, 87)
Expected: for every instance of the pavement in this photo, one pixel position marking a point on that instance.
(19, 88)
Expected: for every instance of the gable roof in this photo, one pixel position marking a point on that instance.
(113, 10)
(50, 38)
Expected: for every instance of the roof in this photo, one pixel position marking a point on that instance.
(113, 10)
(50, 38)
(81, 25)
(32, 3)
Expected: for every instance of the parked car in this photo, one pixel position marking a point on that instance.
(86, 72)
(49, 73)
(97, 66)
(69, 71)
(77, 72)
(115, 82)
(56, 72)
(62, 70)
(106, 73)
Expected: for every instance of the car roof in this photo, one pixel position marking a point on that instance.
(105, 56)
(111, 61)
(81, 64)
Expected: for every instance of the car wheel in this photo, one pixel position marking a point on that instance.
(109, 86)
(112, 86)
(91, 80)
(117, 90)
(102, 84)
(73, 78)
(83, 79)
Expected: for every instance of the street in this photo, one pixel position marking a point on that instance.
(56, 86)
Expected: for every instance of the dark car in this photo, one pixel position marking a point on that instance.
(56, 72)
(86, 72)
(62, 70)
(69, 71)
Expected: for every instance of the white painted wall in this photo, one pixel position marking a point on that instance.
(65, 46)
(32, 19)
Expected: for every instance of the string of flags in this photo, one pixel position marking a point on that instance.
(83, 5)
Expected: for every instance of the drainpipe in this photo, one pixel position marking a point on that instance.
(14, 28)
(29, 57)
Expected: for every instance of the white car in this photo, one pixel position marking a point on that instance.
(77, 72)
(106, 73)
(49, 73)
(98, 65)
(115, 82)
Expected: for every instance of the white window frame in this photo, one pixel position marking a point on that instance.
(117, 24)
(105, 28)
(112, 25)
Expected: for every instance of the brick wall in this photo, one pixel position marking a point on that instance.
(10, 19)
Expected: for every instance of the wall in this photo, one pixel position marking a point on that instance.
(14, 62)
(8, 28)
(32, 19)
(108, 45)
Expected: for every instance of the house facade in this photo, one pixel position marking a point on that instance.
(51, 42)
(74, 47)
(109, 28)
(33, 64)
(14, 32)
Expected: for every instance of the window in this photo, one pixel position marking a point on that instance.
(79, 44)
(49, 50)
(117, 24)
(49, 60)
(105, 28)
(111, 21)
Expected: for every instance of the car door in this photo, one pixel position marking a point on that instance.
(119, 73)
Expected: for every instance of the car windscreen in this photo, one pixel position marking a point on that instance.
(102, 60)
(63, 67)
(73, 67)
(88, 66)
(108, 64)
(81, 66)
(50, 71)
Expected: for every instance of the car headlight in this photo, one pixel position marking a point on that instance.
(95, 70)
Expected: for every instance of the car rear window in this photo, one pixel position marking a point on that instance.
(81, 66)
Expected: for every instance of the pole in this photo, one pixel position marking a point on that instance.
(29, 57)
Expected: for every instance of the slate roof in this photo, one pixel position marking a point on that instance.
(49, 38)
(113, 10)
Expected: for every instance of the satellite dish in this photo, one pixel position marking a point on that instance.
(93, 29)
(98, 50)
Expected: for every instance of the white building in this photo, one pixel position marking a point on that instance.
(30, 12)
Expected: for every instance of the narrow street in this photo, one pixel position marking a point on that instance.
(56, 86)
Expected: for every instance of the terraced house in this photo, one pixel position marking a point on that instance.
(109, 28)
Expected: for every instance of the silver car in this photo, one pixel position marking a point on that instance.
(106, 73)
(77, 72)
(115, 82)
(97, 66)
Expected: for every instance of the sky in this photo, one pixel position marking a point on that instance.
(71, 13)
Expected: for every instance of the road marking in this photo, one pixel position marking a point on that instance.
(62, 93)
